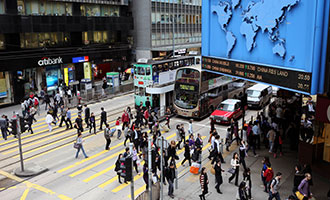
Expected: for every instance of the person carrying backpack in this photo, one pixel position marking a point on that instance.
(274, 187)
(268, 175)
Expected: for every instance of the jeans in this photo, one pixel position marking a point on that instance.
(276, 196)
(4, 132)
(170, 187)
(82, 149)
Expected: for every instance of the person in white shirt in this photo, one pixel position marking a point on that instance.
(49, 119)
(190, 128)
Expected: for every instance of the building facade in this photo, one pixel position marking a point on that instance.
(164, 25)
(47, 42)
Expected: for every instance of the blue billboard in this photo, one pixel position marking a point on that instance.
(279, 42)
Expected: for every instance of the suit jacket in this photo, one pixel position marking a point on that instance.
(87, 112)
(104, 116)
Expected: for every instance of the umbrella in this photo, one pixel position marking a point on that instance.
(129, 70)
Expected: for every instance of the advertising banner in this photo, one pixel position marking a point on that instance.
(52, 74)
(3, 88)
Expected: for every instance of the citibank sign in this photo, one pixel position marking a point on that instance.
(50, 61)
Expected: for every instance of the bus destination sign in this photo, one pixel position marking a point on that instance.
(300, 81)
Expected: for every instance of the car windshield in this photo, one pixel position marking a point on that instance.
(226, 107)
(253, 93)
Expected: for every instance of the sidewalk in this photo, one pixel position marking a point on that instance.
(189, 187)
(17, 108)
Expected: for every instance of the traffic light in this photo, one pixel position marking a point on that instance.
(13, 126)
(126, 168)
(22, 124)
(243, 101)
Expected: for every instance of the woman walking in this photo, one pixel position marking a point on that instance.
(117, 168)
(135, 159)
(80, 142)
(235, 165)
(203, 179)
(218, 175)
(242, 195)
(107, 137)
(168, 115)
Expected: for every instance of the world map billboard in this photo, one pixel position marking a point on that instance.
(279, 42)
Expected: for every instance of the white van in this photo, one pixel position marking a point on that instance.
(259, 95)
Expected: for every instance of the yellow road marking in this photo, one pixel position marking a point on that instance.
(44, 146)
(96, 164)
(30, 185)
(34, 143)
(122, 186)
(25, 194)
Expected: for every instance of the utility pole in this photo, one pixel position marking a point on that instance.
(173, 31)
(161, 167)
(132, 181)
(150, 168)
(19, 141)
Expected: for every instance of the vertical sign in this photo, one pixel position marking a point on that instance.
(66, 76)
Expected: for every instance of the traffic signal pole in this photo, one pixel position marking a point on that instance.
(132, 181)
(19, 142)
(162, 168)
(150, 168)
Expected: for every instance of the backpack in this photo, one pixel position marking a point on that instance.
(270, 183)
(36, 101)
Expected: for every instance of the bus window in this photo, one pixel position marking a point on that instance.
(142, 91)
(137, 90)
(141, 71)
(225, 87)
(148, 71)
(186, 100)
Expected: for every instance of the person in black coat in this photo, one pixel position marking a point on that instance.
(103, 118)
(218, 175)
(92, 123)
(29, 121)
(170, 176)
(186, 154)
(117, 168)
(203, 179)
(242, 191)
(87, 115)
(298, 177)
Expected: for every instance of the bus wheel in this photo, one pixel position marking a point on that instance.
(235, 97)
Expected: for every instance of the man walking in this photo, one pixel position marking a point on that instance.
(125, 119)
(79, 124)
(68, 118)
(103, 118)
(87, 115)
(63, 115)
(3, 126)
(107, 137)
(274, 186)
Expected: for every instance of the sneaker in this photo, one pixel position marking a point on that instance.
(256, 155)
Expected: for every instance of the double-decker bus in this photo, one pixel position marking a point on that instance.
(153, 73)
(197, 93)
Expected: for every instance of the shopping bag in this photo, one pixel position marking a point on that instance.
(212, 170)
(76, 145)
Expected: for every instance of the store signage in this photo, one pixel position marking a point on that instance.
(80, 59)
(50, 61)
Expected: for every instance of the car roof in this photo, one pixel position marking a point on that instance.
(259, 87)
(231, 101)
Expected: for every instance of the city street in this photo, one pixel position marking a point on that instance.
(94, 177)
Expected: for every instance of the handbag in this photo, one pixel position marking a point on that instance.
(76, 145)
(231, 170)
(299, 195)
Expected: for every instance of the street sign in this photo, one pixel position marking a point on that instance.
(281, 43)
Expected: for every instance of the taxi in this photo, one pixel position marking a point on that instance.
(227, 110)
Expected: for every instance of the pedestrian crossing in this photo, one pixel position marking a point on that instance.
(44, 142)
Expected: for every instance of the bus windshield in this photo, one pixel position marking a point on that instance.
(226, 107)
(253, 93)
(186, 100)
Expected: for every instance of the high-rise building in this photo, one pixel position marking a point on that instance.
(163, 25)
(45, 43)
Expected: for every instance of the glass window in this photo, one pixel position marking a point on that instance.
(2, 41)
(68, 9)
(148, 71)
(20, 7)
(35, 40)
